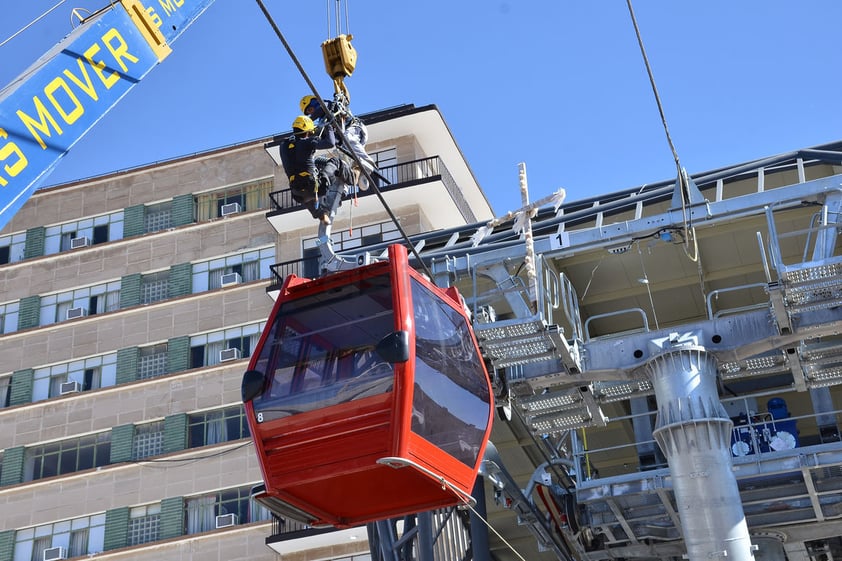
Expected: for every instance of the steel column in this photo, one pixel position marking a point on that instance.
(694, 432)
(479, 531)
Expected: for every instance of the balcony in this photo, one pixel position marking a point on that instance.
(291, 536)
(394, 182)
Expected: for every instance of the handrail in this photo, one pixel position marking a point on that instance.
(715, 293)
(570, 306)
(389, 177)
(593, 455)
(617, 313)
(282, 270)
(558, 293)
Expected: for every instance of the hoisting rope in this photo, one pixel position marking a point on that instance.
(683, 185)
(339, 130)
(337, 14)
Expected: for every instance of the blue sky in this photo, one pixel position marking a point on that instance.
(560, 85)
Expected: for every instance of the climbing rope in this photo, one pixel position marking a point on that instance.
(340, 131)
(683, 184)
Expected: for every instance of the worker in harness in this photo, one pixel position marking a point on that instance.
(317, 183)
(354, 129)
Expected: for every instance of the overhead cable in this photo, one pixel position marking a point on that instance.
(30, 24)
(341, 133)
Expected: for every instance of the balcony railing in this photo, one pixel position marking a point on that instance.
(306, 267)
(388, 178)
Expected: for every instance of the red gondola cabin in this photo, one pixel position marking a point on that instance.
(357, 367)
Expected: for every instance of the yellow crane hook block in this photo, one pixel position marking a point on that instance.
(340, 56)
(340, 61)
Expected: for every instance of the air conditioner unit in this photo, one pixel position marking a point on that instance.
(229, 354)
(81, 241)
(70, 387)
(76, 313)
(230, 208)
(225, 520)
(231, 278)
(52, 553)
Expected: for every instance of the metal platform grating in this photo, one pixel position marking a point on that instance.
(619, 391)
(755, 366)
(554, 423)
(813, 288)
(513, 342)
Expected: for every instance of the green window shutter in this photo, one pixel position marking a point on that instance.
(127, 364)
(183, 210)
(122, 440)
(116, 528)
(175, 432)
(134, 221)
(181, 280)
(172, 518)
(34, 244)
(130, 290)
(178, 354)
(13, 466)
(7, 545)
(29, 312)
(21, 390)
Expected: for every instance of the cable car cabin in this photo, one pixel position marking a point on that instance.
(367, 397)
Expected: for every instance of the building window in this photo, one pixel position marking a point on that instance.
(81, 302)
(89, 373)
(67, 456)
(385, 158)
(158, 217)
(201, 512)
(216, 426)
(79, 537)
(9, 317)
(155, 287)
(386, 161)
(5, 390)
(100, 234)
(144, 522)
(250, 196)
(153, 361)
(92, 378)
(206, 350)
(100, 229)
(12, 248)
(148, 440)
(251, 265)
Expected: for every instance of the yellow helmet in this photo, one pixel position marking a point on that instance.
(303, 123)
(306, 101)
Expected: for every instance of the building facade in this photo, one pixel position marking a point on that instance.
(130, 305)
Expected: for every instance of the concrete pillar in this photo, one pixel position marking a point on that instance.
(694, 432)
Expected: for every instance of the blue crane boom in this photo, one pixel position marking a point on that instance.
(56, 101)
